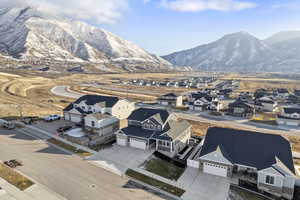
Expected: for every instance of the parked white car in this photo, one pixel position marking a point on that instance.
(52, 118)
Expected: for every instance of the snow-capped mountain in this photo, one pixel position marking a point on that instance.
(244, 52)
(27, 34)
(231, 52)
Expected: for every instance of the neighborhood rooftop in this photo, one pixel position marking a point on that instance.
(142, 114)
(248, 148)
(109, 101)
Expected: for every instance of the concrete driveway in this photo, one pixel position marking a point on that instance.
(118, 159)
(200, 186)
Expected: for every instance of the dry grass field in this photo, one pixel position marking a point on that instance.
(14, 178)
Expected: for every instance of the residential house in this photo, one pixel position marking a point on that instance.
(262, 159)
(266, 103)
(289, 116)
(240, 109)
(88, 104)
(171, 99)
(101, 127)
(155, 129)
(297, 93)
(281, 93)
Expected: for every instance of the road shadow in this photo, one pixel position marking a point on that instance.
(53, 150)
(134, 185)
(16, 135)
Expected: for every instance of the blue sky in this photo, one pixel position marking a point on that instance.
(165, 26)
(161, 30)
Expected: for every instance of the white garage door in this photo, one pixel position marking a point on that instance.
(140, 144)
(75, 118)
(214, 169)
(67, 116)
(122, 141)
(292, 123)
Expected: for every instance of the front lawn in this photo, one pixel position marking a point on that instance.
(155, 183)
(163, 168)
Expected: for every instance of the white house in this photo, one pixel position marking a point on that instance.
(171, 99)
(289, 116)
(262, 159)
(101, 126)
(88, 104)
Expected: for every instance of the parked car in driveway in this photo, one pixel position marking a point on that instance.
(52, 118)
(63, 129)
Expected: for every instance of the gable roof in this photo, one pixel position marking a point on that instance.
(249, 148)
(109, 101)
(218, 156)
(291, 110)
(240, 104)
(171, 132)
(142, 114)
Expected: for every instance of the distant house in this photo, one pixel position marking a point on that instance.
(199, 104)
(289, 116)
(155, 129)
(240, 109)
(281, 93)
(267, 103)
(88, 104)
(171, 99)
(262, 159)
(297, 93)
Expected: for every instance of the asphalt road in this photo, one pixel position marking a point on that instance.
(65, 91)
(66, 174)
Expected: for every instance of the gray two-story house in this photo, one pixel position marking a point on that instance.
(155, 129)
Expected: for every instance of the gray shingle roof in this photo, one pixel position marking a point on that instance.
(142, 114)
(249, 148)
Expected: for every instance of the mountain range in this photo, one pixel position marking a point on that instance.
(28, 34)
(244, 52)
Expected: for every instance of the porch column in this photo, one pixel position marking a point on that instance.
(156, 144)
(171, 144)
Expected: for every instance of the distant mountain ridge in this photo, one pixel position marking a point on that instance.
(245, 53)
(28, 34)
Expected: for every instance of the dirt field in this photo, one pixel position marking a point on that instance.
(29, 94)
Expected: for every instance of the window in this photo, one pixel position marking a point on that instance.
(93, 123)
(270, 180)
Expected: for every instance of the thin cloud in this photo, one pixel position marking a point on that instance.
(202, 5)
(101, 11)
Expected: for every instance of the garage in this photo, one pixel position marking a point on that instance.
(122, 141)
(218, 170)
(291, 123)
(75, 118)
(67, 116)
(136, 143)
